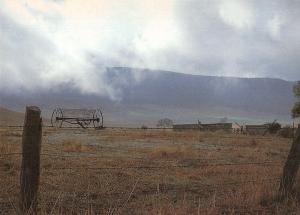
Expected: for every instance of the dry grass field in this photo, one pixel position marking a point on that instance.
(149, 171)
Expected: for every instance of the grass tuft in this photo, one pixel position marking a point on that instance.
(175, 151)
(75, 146)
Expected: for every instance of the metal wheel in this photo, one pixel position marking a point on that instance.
(98, 119)
(56, 118)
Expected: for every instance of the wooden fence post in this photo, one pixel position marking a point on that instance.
(30, 169)
(290, 168)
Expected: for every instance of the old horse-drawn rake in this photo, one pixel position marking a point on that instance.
(83, 117)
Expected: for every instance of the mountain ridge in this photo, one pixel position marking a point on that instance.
(190, 74)
(144, 96)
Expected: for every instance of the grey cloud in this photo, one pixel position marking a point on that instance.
(250, 50)
(23, 55)
(28, 57)
(209, 47)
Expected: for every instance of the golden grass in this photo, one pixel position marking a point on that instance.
(82, 185)
(172, 151)
(8, 142)
(73, 145)
(5, 147)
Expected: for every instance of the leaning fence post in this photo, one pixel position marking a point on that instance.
(30, 169)
(290, 168)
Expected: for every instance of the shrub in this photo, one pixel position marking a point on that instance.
(286, 132)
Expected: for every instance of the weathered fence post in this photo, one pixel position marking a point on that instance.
(290, 168)
(30, 169)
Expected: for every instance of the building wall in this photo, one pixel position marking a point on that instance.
(186, 126)
(203, 127)
(256, 129)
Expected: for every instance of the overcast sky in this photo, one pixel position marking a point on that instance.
(46, 43)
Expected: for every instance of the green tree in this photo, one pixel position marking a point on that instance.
(296, 108)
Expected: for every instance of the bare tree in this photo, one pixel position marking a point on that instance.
(165, 123)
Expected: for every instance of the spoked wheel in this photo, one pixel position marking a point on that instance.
(98, 119)
(56, 118)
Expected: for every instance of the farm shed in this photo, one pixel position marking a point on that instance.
(237, 128)
(216, 126)
(204, 127)
(185, 126)
(257, 129)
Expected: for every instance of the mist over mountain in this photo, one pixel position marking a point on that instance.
(143, 97)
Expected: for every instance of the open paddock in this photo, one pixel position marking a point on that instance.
(149, 171)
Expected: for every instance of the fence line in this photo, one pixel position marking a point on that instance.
(88, 155)
(113, 127)
(198, 186)
(266, 163)
(20, 128)
(152, 167)
(92, 128)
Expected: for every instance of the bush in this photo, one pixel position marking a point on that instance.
(286, 132)
(274, 127)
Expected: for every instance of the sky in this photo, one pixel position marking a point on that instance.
(49, 43)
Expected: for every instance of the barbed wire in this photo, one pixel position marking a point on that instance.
(160, 167)
(234, 135)
(120, 127)
(266, 163)
(92, 128)
(90, 155)
(197, 186)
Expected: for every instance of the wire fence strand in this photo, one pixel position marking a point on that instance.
(267, 162)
